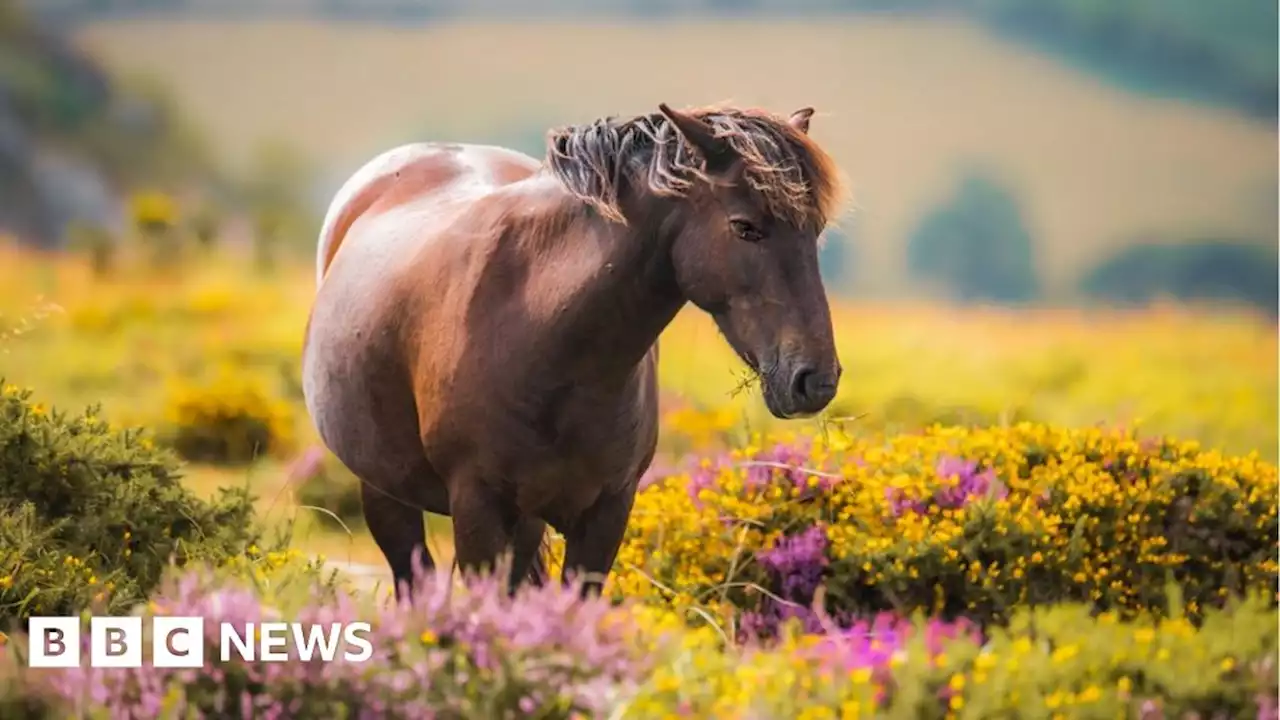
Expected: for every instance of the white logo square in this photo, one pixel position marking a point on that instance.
(177, 642)
(115, 642)
(53, 642)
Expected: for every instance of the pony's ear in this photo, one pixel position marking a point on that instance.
(700, 135)
(800, 119)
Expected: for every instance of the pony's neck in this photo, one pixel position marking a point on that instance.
(617, 317)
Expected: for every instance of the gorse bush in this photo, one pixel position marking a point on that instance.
(465, 651)
(87, 511)
(954, 521)
(230, 420)
(38, 578)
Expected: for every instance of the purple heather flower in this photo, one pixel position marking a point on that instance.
(900, 503)
(547, 645)
(1268, 707)
(657, 472)
(970, 485)
(798, 561)
(790, 463)
(702, 478)
(306, 465)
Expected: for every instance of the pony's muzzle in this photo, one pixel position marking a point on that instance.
(812, 389)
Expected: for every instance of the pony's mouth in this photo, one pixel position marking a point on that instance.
(760, 370)
(776, 397)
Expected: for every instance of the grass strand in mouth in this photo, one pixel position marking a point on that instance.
(748, 379)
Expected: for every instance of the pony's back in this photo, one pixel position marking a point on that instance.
(356, 195)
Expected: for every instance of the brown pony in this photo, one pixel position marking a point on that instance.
(483, 343)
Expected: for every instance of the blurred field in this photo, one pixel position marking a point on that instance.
(140, 340)
(903, 104)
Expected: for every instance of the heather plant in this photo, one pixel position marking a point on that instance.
(462, 650)
(470, 650)
(88, 510)
(954, 521)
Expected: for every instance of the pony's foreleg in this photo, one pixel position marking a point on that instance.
(399, 530)
(592, 543)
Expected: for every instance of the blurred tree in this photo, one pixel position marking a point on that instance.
(1206, 269)
(976, 246)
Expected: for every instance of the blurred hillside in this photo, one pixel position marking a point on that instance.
(72, 138)
(1224, 51)
(1055, 135)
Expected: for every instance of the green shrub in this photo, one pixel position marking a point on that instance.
(324, 482)
(92, 512)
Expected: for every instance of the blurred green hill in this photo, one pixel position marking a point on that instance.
(1224, 51)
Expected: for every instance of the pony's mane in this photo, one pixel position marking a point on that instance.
(798, 179)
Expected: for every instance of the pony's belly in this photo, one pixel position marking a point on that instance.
(585, 462)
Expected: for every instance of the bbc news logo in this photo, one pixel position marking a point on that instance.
(179, 642)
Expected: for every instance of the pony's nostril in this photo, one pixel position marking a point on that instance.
(801, 382)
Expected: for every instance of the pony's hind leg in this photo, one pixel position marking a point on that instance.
(591, 544)
(399, 529)
(485, 529)
(528, 560)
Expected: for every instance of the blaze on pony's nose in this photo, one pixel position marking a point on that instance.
(812, 389)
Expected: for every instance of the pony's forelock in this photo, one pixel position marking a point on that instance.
(799, 181)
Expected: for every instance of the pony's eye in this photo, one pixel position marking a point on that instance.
(745, 230)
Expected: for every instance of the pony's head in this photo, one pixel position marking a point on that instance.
(748, 196)
(748, 251)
